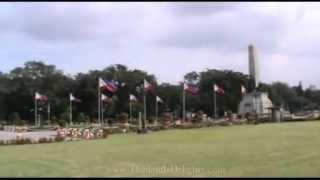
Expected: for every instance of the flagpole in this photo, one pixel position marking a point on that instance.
(49, 111)
(215, 104)
(130, 105)
(156, 110)
(35, 111)
(39, 123)
(99, 96)
(183, 104)
(70, 111)
(107, 114)
(145, 111)
(133, 118)
(102, 113)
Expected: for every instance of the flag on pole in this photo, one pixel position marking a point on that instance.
(133, 98)
(147, 86)
(218, 89)
(138, 89)
(105, 98)
(111, 86)
(159, 99)
(102, 83)
(243, 90)
(192, 89)
(40, 97)
(72, 98)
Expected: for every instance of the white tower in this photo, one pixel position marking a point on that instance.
(255, 102)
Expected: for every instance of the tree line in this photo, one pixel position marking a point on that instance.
(17, 89)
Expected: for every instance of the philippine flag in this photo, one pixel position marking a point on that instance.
(192, 89)
(147, 86)
(132, 97)
(111, 86)
(72, 98)
(40, 97)
(218, 89)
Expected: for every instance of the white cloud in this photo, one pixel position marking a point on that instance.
(193, 36)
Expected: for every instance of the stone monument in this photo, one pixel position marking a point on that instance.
(255, 102)
(253, 67)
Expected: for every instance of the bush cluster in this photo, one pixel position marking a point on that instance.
(20, 141)
(46, 140)
(16, 141)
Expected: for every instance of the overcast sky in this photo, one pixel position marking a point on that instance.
(165, 39)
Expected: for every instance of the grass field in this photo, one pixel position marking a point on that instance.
(286, 149)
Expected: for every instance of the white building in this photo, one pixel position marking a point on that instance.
(255, 102)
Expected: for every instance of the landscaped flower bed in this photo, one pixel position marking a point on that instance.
(63, 134)
(74, 134)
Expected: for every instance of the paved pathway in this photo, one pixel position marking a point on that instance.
(32, 135)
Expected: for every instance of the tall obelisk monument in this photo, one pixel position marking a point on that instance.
(255, 102)
(253, 67)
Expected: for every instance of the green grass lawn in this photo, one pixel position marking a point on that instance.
(286, 149)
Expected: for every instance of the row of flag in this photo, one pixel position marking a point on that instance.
(112, 86)
(41, 97)
(194, 90)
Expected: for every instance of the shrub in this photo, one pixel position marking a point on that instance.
(208, 124)
(224, 123)
(200, 125)
(81, 117)
(59, 138)
(155, 128)
(152, 120)
(45, 140)
(14, 117)
(19, 122)
(123, 117)
(62, 123)
(54, 120)
(93, 120)
(64, 116)
(184, 126)
(20, 141)
(165, 126)
(105, 134)
(167, 117)
(198, 117)
(133, 128)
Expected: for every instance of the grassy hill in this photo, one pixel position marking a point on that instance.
(286, 149)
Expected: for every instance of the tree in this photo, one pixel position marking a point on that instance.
(192, 77)
(17, 89)
(15, 118)
(81, 117)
